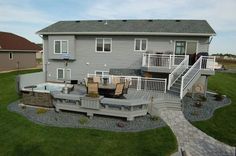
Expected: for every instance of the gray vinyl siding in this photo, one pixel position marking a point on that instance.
(122, 55)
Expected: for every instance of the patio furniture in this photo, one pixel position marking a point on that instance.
(106, 89)
(96, 79)
(126, 87)
(115, 80)
(117, 93)
(92, 88)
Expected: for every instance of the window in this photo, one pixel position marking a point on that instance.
(180, 47)
(103, 45)
(62, 75)
(61, 46)
(140, 44)
(102, 73)
(10, 56)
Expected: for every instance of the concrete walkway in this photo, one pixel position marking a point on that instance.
(192, 140)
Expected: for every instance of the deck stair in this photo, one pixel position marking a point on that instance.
(175, 88)
(166, 101)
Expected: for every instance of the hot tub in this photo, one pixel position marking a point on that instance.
(40, 95)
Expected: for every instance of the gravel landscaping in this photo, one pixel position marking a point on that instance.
(194, 112)
(79, 120)
(191, 110)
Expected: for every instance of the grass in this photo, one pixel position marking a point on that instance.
(228, 64)
(19, 136)
(222, 125)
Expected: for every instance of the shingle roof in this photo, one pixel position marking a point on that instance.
(9, 41)
(127, 26)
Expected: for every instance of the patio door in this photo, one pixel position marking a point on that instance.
(191, 50)
(186, 48)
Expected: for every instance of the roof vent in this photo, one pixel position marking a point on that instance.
(77, 21)
(177, 20)
(124, 20)
(150, 20)
(99, 20)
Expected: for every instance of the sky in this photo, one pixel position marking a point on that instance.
(26, 17)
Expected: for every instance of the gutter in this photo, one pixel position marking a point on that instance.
(126, 33)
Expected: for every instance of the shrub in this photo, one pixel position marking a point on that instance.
(83, 120)
(41, 110)
(194, 113)
(198, 104)
(202, 98)
(219, 96)
(154, 118)
(23, 107)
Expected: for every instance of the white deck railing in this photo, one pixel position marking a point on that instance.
(137, 82)
(161, 60)
(178, 71)
(203, 63)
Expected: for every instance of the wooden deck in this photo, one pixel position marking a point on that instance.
(136, 103)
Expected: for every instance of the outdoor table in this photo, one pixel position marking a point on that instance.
(106, 89)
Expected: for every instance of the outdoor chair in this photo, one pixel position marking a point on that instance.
(96, 79)
(92, 88)
(115, 80)
(118, 92)
(126, 87)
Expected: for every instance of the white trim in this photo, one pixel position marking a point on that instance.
(129, 33)
(103, 43)
(12, 56)
(102, 71)
(140, 46)
(67, 49)
(63, 73)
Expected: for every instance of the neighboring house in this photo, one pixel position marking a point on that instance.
(39, 54)
(102, 46)
(16, 52)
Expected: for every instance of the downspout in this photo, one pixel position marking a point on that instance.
(45, 70)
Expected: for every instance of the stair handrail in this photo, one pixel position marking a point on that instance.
(178, 70)
(196, 67)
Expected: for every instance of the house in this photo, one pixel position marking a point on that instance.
(168, 49)
(16, 52)
(39, 54)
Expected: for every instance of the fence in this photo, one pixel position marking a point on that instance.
(136, 82)
(176, 73)
(161, 60)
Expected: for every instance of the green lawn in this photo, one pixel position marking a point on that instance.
(18, 136)
(222, 125)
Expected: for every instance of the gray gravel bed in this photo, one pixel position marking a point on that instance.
(193, 113)
(75, 120)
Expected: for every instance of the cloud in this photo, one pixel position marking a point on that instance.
(221, 16)
(21, 12)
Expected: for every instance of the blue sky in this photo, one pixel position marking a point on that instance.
(25, 17)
